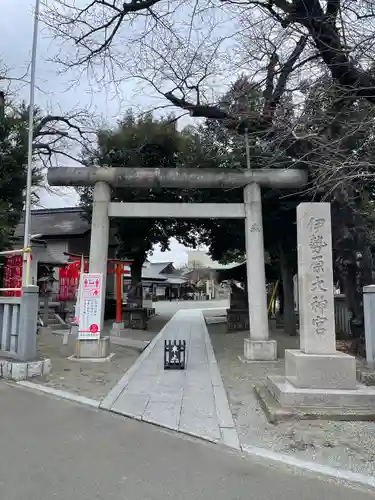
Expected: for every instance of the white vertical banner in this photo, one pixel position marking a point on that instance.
(90, 306)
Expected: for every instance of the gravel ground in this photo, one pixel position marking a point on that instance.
(349, 445)
(92, 380)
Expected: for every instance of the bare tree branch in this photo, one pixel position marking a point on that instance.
(332, 9)
(274, 98)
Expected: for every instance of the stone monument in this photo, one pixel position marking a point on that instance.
(317, 376)
(135, 315)
(238, 312)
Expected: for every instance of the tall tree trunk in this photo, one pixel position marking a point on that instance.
(286, 270)
(280, 293)
(352, 298)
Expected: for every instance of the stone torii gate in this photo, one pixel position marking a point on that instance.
(258, 346)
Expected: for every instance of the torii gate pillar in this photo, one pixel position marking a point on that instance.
(98, 348)
(100, 235)
(258, 347)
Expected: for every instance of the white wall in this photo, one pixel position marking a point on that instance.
(54, 251)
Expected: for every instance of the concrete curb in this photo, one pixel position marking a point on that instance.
(324, 470)
(228, 430)
(165, 426)
(69, 396)
(22, 370)
(206, 308)
(74, 358)
(60, 394)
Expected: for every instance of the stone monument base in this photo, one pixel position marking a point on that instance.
(260, 350)
(317, 386)
(354, 405)
(98, 348)
(320, 400)
(290, 396)
(320, 371)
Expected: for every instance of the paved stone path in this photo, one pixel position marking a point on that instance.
(193, 400)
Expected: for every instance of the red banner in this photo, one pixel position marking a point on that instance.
(69, 279)
(69, 276)
(13, 275)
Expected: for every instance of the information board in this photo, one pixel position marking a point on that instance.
(90, 306)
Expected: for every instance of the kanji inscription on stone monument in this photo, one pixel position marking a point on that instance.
(315, 278)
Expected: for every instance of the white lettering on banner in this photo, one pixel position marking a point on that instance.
(90, 306)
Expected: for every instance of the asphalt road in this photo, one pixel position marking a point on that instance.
(57, 450)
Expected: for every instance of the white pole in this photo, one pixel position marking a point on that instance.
(26, 240)
(248, 165)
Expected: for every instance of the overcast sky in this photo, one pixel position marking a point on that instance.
(56, 93)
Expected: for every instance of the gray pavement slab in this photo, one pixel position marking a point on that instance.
(55, 449)
(205, 428)
(133, 406)
(167, 412)
(192, 400)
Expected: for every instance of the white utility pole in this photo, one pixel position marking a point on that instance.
(26, 241)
